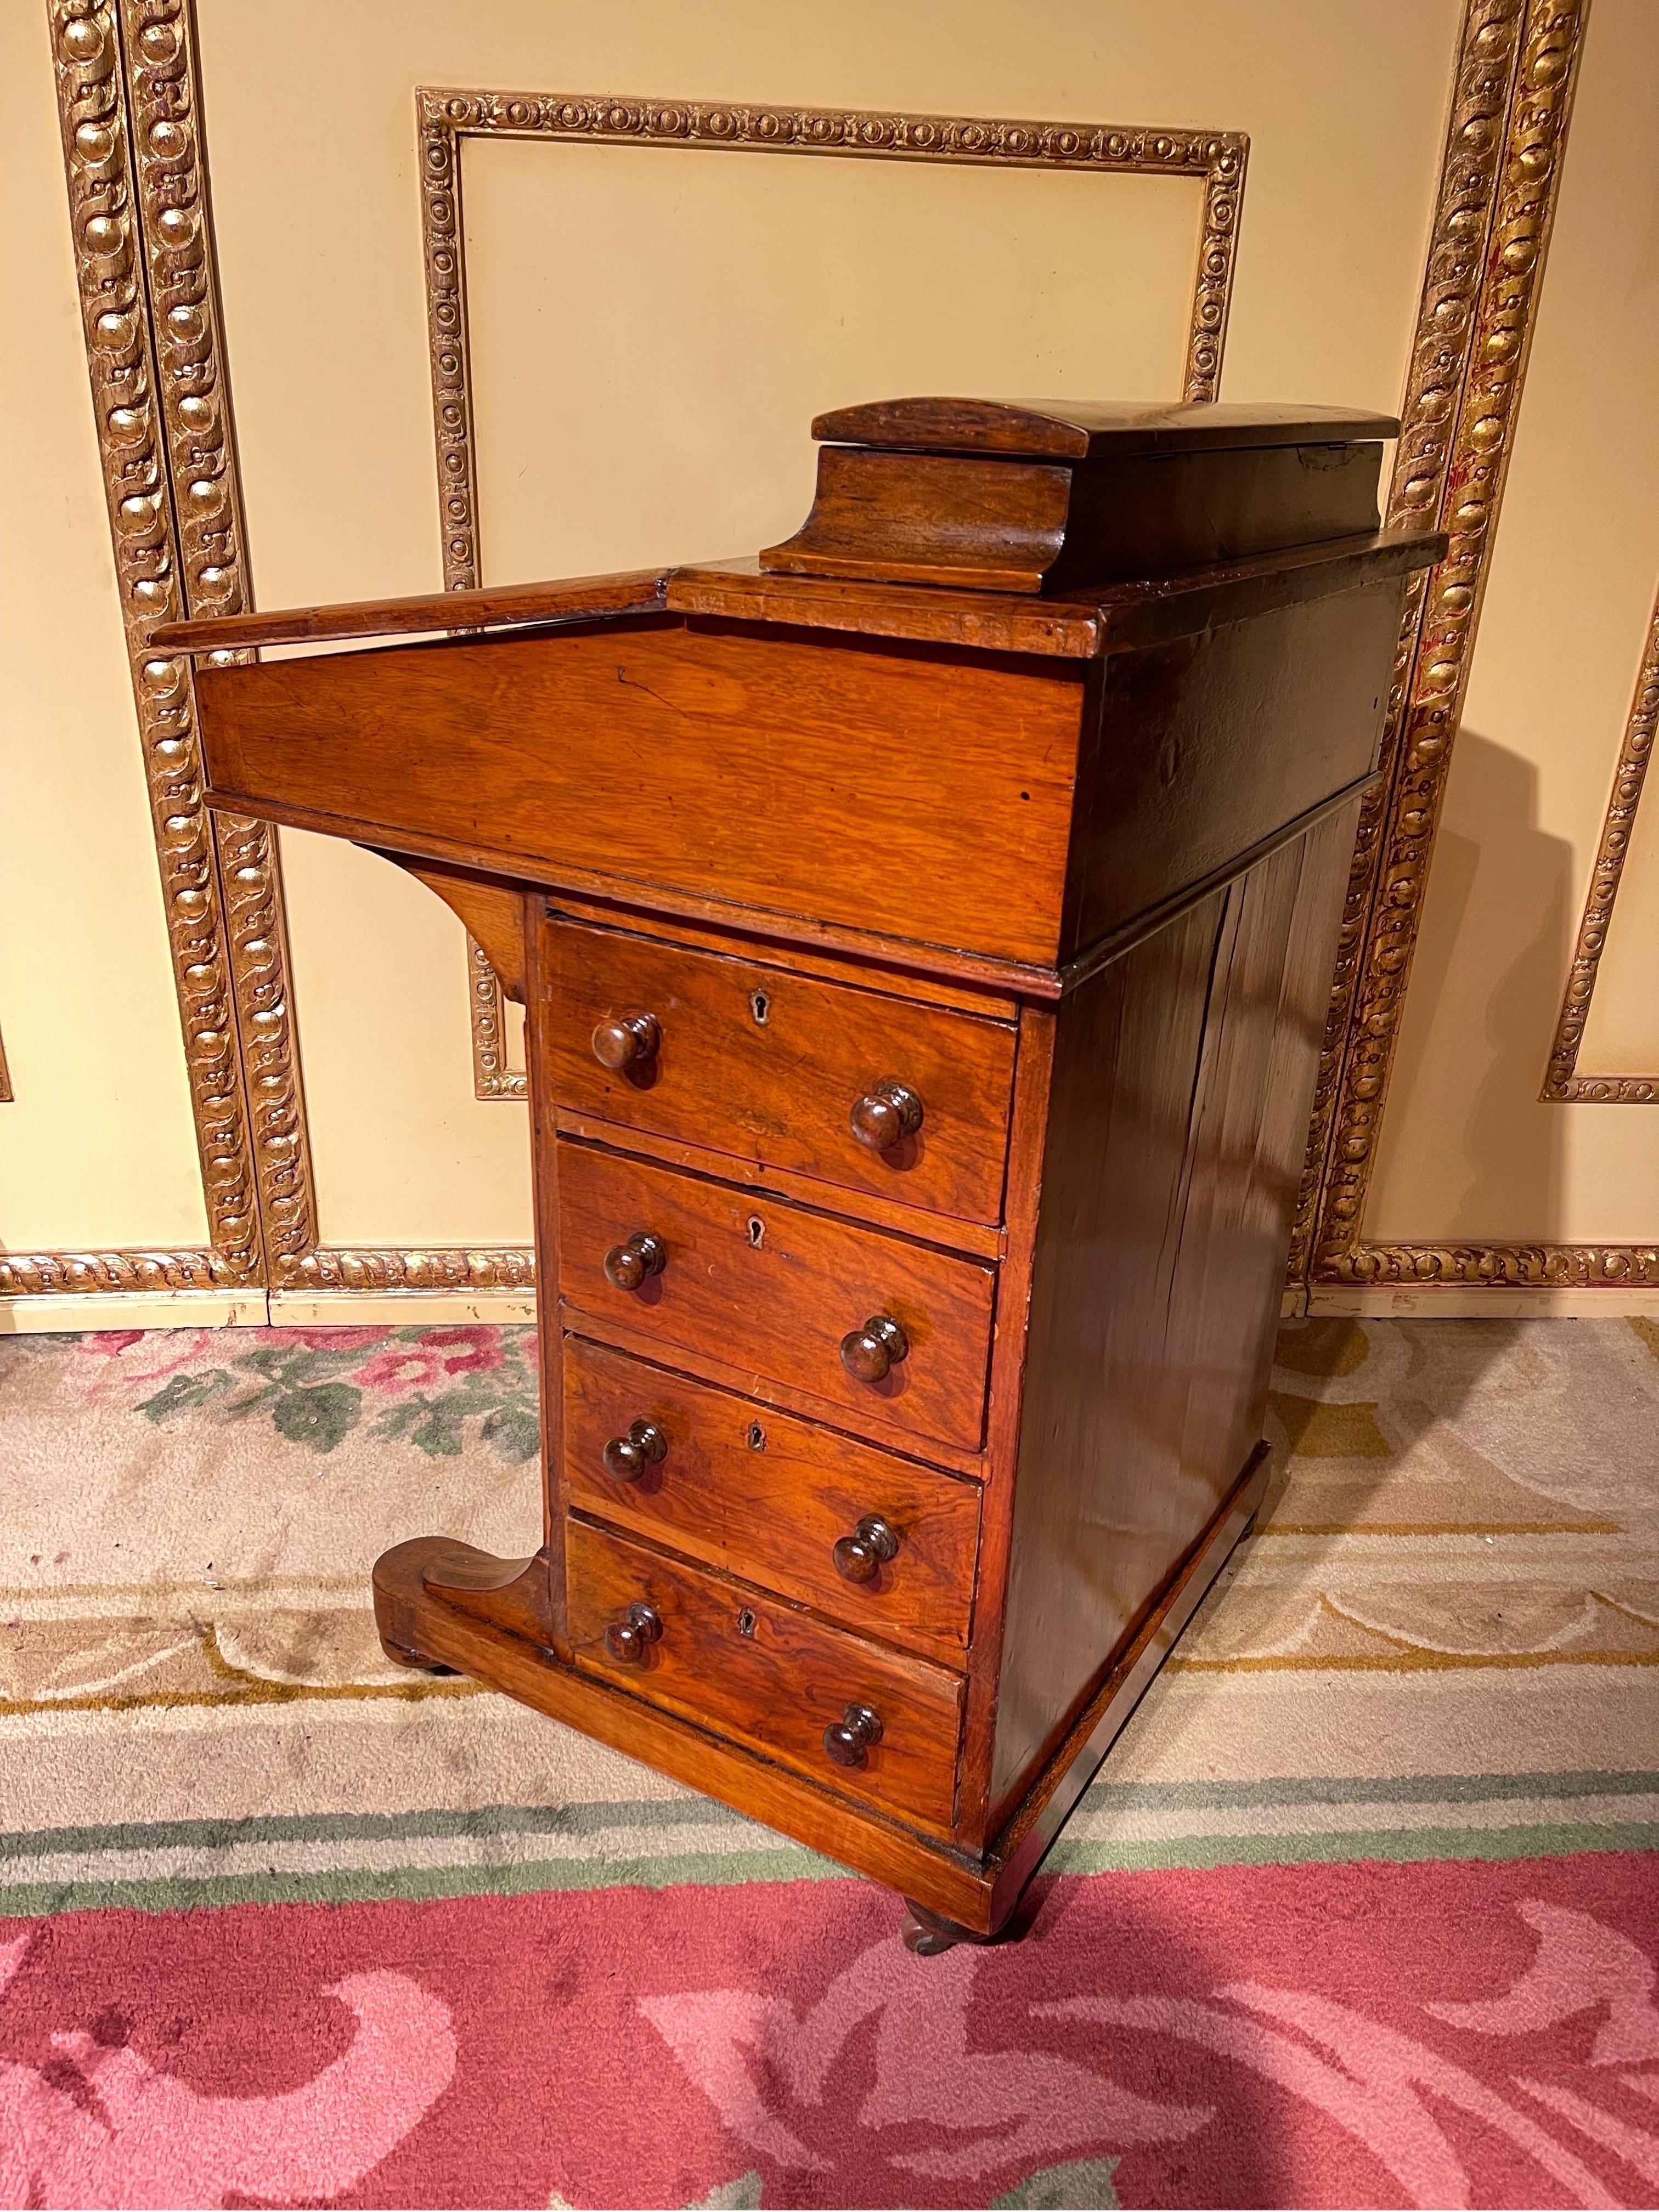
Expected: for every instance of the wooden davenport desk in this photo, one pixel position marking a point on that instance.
(924, 934)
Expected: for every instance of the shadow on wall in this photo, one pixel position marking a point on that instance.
(1495, 965)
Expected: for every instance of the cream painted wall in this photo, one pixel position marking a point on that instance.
(612, 430)
(97, 1148)
(728, 299)
(1468, 1151)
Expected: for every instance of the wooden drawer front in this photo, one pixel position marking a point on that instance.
(770, 1290)
(765, 1065)
(750, 1667)
(751, 1490)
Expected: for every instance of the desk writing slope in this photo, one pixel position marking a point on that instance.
(923, 931)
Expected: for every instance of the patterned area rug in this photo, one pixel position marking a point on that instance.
(1365, 1910)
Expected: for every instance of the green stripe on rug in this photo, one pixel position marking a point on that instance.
(1402, 1846)
(364, 1886)
(503, 1850)
(596, 1818)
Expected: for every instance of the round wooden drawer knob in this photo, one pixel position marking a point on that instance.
(870, 1352)
(848, 1741)
(885, 1114)
(628, 1640)
(627, 1040)
(626, 1458)
(860, 1556)
(628, 1265)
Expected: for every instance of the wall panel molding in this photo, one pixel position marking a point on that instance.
(492, 1077)
(1562, 1083)
(444, 119)
(1506, 136)
(143, 246)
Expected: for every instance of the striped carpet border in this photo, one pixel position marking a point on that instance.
(506, 1851)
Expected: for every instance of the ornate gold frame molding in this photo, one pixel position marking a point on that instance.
(487, 1009)
(144, 255)
(1516, 68)
(1562, 1083)
(444, 118)
(136, 162)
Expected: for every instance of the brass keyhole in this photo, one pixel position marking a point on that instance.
(746, 1623)
(757, 1436)
(757, 1232)
(761, 1007)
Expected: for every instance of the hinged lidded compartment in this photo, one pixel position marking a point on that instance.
(1052, 496)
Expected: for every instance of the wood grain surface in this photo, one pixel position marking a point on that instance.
(706, 760)
(567, 598)
(1181, 1081)
(772, 1288)
(746, 1488)
(765, 1065)
(753, 1667)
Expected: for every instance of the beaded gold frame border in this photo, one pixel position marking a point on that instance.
(1562, 1083)
(445, 118)
(136, 164)
(143, 256)
(1516, 68)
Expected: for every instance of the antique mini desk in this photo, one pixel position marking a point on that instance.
(924, 933)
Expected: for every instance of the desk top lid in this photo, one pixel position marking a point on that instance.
(1088, 429)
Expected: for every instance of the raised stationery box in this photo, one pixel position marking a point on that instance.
(924, 933)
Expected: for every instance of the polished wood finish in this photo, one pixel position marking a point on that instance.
(885, 1117)
(1204, 748)
(781, 1070)
(929, 519)
(871, 1353)
(502, 607)
(947, 818)
(493, 912)
(922, 987)
(628, 1044)
(1084, 429)
(1024, 1838)
(860, 1556)
(425, 1621)
(762, 1494)
(1181, 1081)
(772, 1288)
(631, 1265)
(948, 1230)
(768, 1674)
(987, 523)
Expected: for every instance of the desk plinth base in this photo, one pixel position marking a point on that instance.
(443, 1606)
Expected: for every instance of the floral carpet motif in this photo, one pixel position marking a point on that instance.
(313, 1385)
(1364, 1909)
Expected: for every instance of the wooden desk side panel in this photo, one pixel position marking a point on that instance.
(1182, 1078)
(916, 793)
(1202, 749)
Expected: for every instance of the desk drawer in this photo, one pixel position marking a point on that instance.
(750, 1666)
(764, 1289)
(768, 1065)
(743, 1487)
